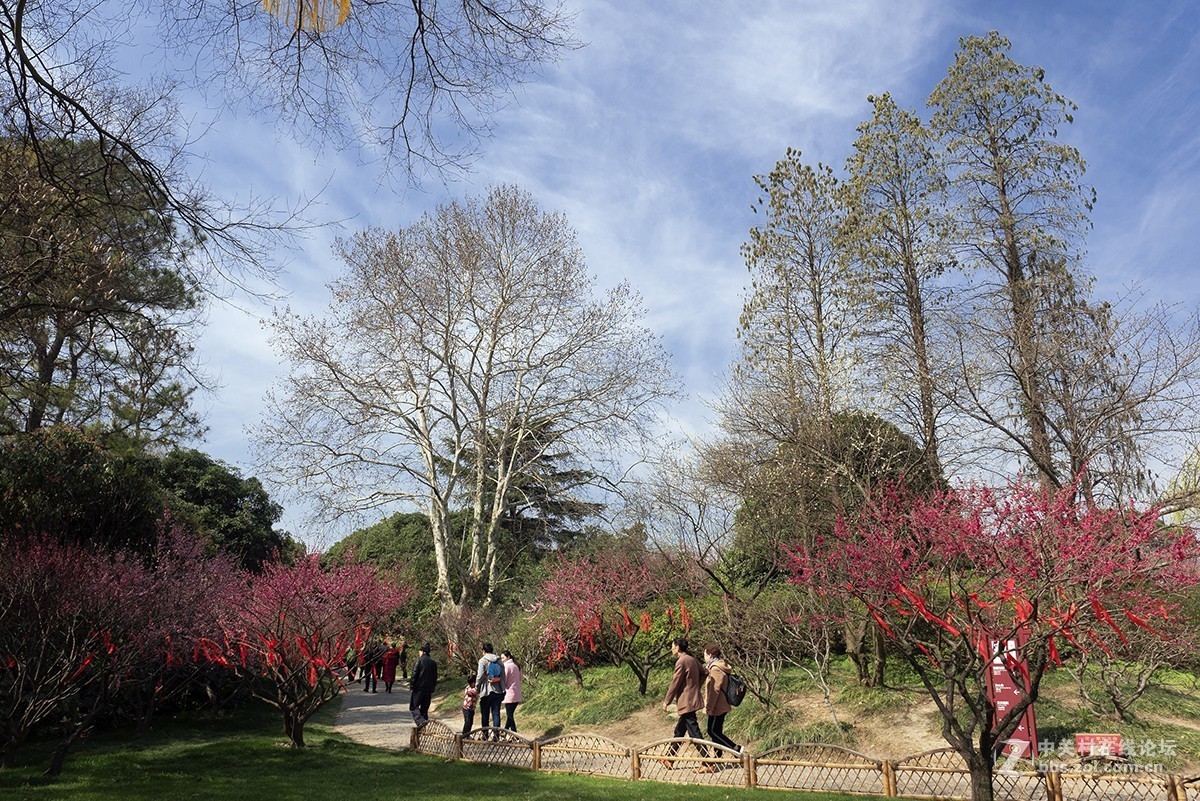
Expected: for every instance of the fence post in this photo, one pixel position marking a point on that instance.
(751, 766)
(1175, 789)
(458, 748)
(635, 765)
(1054, 786)
(889, 778)
(537, 755)
(414, 739)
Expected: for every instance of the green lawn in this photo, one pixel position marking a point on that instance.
(239, 759)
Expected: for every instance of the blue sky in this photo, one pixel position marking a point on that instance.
(648, 138)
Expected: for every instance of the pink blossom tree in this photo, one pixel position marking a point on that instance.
(949, 575)
(621, 607)
(292, 626)
(187, 606)
(67, 613)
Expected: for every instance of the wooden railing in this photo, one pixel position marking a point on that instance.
(940, 773)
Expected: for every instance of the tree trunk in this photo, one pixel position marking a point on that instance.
(293, 726)
(72, 737)
(981, 778)
(854, 634)
(880, 657)
(643, 675)
(146, 718)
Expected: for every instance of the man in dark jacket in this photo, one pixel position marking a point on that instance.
(424, 679)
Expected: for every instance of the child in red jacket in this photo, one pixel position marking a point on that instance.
(470, 697)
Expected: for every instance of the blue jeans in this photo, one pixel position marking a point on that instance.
(489, 711)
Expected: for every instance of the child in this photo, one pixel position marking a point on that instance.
(470, 696)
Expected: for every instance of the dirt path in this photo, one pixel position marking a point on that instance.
(379, 719)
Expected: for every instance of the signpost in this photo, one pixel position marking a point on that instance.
(1004, 690)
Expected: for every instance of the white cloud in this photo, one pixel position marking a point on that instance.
(649, 136)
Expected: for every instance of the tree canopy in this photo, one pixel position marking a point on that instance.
(460, 358)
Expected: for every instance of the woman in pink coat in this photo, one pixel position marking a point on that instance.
(512, 688)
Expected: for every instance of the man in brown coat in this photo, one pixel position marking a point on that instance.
(684, 692)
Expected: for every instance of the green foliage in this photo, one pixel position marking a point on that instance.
(767, 728)
(874, 700)
(801, 491)
(609, 694)
(235, 514)
(401, 543)
(61, 482)
(96, 302)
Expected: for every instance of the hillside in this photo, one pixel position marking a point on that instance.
(883, 723)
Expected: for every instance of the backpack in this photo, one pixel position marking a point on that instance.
(735, 689)
(495, 673)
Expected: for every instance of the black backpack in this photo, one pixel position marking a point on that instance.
(735, 689)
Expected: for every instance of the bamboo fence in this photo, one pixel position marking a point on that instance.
(937, 774)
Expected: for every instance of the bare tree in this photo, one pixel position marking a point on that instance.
(411, 85)
(1085, 391)
(450, 348)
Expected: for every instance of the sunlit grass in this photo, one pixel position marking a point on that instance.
(240, 759)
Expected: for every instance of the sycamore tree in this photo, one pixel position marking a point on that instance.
(292, 626)
(458, 358)
(955, 578)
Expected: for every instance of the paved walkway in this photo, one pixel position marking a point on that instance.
(379, 719)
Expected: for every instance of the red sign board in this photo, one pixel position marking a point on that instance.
(1004, 690)
(1098, 745)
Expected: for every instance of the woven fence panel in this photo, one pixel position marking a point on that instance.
(934, 774)
(684, 761)
(1189, 788)
(1020, 786)
(1114, 787)
(436, 739)
(586, 753)
(812, 766)
(498, 747)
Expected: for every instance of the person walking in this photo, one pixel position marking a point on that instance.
(512, 688)
(684, 692)
(424, 680)
(404, 659)
(716, 702)
(372, 665)
(489, 680)
(391, 658)
(470, 697)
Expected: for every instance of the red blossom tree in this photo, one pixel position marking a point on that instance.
(619, 606)
(293, 625)
(67, 615)
(187, 605)
(948, 575)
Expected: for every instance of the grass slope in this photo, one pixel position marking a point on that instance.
(239, 759)
(1166, 722)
